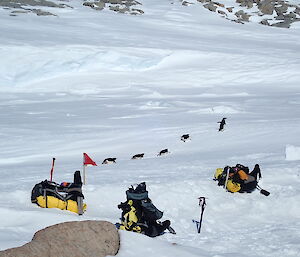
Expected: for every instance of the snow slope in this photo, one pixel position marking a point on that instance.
(115, 85)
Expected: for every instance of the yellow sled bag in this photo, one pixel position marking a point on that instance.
(233, 186)
(218, 173)
(66, 196)
(130, 219)
(53, 202)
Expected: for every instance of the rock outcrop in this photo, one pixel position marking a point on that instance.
(71, 239)
(29, 6)
(276, 13)
(119, 6)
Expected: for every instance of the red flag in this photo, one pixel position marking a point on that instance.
(87, 160)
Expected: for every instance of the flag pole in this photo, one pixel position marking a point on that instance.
(84, 179)
(83, 170)
(52, 168)
(87, 161)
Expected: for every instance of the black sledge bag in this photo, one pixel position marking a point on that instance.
(150, 211)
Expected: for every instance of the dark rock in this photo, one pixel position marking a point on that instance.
(211, 7)
(95, 5)
(281, 9)
(40, 12)
(186, 3)
(222, 13)
(242, 15)
(229, 9)
(283, 24)
(20, 3)
(266, 6)
(245, 3)
(291, 16)
(136, 11)
(265, 22)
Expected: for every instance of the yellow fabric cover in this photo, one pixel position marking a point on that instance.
(218, 172)
(233, 186)
(130, 220)
(53, 202)
(73, 207)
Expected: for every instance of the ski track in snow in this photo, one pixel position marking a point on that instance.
(116, 85)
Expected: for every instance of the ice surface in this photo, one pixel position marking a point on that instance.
(114, 85)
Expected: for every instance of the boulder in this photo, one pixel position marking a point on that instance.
(283, 24)
(211, 7)
(242, 15)
(71, 239)
(266, 6)
(229, 9)
(186, 3)
(95, 5)
(222, 13)
(265, 22)
(281, 9)
(245, 3)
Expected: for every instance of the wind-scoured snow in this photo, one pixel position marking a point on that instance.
(115, 85)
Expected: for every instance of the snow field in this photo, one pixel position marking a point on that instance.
(114, 86)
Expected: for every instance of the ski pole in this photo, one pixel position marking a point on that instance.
(202, 204)
(226, 180)
(262, 191)
(51, 171)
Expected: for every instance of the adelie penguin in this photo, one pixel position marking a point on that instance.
(222, 123)
(185, 137)
(109, 160)
(138, 156)
(163, 152)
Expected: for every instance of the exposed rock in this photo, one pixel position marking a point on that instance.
(245, 3)
(280, 17)
(242, 15)
(283, 24)
(95, 5)
(265, 22)
(210, 6)
(115, 2)
(19, 11)
(130, 3)
(291, 15)
(186, 3)
(229, 9)
(222, 13)
(238, 21)
(120, 6)
(281, 9)
(136, 11)
(71, 239)
(26, 4)
(219, 4)
(266, 6)
(20, 3)
(40, 12)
